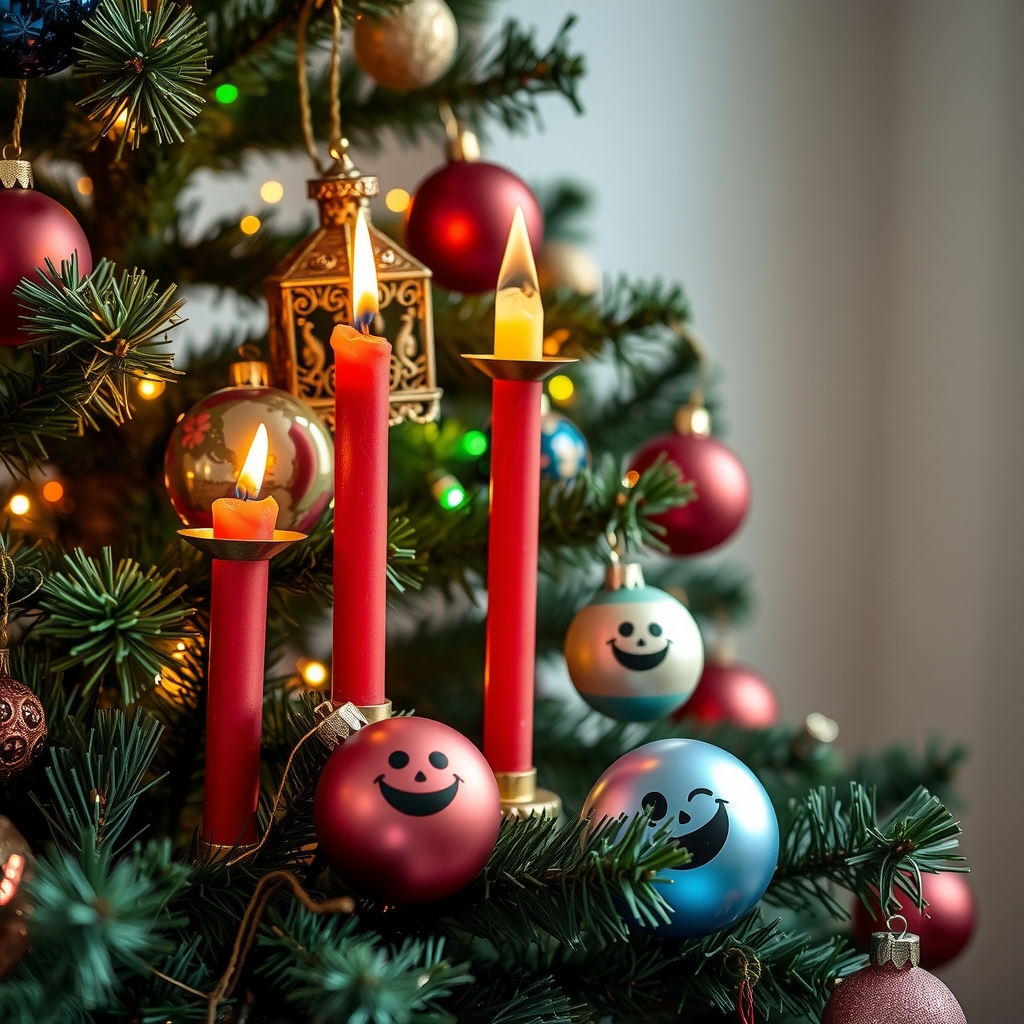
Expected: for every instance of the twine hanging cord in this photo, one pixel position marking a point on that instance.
(8, 572)
(748, 967)
(334, 80)
(19, 120)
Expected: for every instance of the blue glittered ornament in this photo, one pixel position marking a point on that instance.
(37, 37)
(633, 652)
(718, 811)
(563, 448)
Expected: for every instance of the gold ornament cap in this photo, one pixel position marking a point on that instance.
(16, 174)
(336, 723)
(463, 145)
(693, 418)
(898, 950)
(249, 373)
(624, 576)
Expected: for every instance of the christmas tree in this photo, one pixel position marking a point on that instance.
(117, 903)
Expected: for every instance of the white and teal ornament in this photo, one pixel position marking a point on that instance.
(38, 37)
(564, 452)
(634, 652)
(717, 810)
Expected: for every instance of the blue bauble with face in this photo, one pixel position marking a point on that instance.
(634, 653)
(719, 812)
(563, 448)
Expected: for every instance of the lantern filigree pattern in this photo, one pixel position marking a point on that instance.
(311, 290)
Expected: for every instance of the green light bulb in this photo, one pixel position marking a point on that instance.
(226, 93)
(474, 443)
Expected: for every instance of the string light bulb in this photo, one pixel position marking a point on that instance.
(250, 224)
(397, 200)
(271, 191)
(19, 504)
(561, 388)
(150, 388)
(53, 491)
(448, 492)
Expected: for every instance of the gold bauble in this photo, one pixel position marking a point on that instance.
(564, 265)
(15, 857)
(411, 50)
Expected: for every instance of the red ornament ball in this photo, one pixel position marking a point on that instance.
(35, 228)
(884, 994)
(734, 694)
(407, 810)
(459, 219)
(22, 726)
(945, 927)
(721, 491)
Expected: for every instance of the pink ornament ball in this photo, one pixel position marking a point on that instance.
(459, 220)
(733, 694)
(35, 228)
(407, 811)
(884, 994)
(721, 491)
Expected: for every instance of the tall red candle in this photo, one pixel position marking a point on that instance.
(237, 644)
(512, 576)
(362, 371)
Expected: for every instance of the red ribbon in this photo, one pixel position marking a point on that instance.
(745, 1002)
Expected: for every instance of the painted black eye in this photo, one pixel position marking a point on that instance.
(399, 759)
(438, 760)
(655, 629)
(657, 804)
(626, 629)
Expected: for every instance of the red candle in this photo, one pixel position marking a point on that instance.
(362, 371)
(237, 643)
(515, 514)
(512, 576)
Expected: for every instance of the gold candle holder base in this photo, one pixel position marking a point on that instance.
(520, 797)
(240, 550)
(522, 370)
(218, 851)
(375, 712)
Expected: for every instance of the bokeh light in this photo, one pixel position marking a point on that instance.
(250, 224)
(271, 191)
(226, 93)
(561, 388)
(397, 200)
(53, 491)
(20, 504)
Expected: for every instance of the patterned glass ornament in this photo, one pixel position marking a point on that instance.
(209, 443)
(22, 723)
(725, 820)
(15, 857)
(634, 652)
(564, 452)
(37, 37)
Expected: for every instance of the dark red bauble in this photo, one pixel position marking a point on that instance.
(721, 491)
(33, 228)
(407, 811)
(734, 694)
(884, 994)
(459, 219)
(945, 927)
(22, 725)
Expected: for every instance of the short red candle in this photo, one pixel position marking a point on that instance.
(512, 576)
(362, 367)
(234, 695)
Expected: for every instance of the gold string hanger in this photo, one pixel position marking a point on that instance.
(338, 145)
(693, 417)
(8, 573)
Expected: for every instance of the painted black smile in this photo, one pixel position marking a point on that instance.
(418, 804)
(639, 662)
(706, 842)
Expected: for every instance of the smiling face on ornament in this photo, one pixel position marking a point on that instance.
(407, 810)
(634, 654)
(716, 809)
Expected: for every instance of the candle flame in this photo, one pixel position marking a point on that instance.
(250, 480)
(518, 269)
(364, 277)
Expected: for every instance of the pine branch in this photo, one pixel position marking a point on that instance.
(93, 337)
(147, 57)
(331, 972)
(832, 843)
(98, 777)
(120, 619)
(96, 920)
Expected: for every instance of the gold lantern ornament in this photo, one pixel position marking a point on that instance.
(311, 290)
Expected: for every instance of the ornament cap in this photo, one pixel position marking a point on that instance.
(463, 145)
(249, 373)
(693, 418)
(898, 950)
(624, 576)
(16, 174)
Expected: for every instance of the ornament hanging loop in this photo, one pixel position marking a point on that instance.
(898, 917)
(19, 120)
(693, 418)
(8, 572)
(337, 143)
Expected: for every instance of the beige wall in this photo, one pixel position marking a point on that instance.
(839, 187)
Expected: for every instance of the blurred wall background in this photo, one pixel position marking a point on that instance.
(838, 186)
